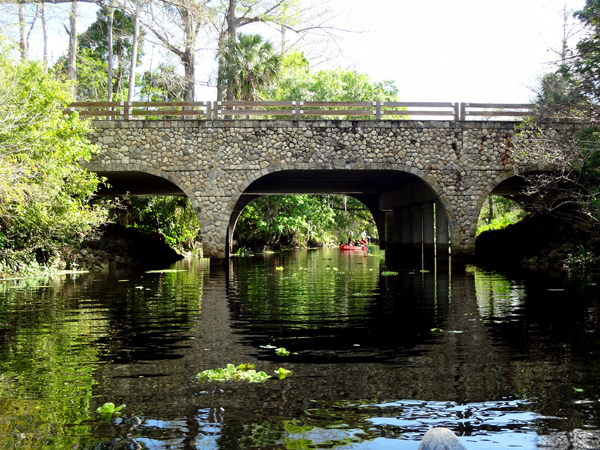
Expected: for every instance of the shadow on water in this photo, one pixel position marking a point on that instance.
(379, 355)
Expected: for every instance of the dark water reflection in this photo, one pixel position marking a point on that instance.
(504, 360)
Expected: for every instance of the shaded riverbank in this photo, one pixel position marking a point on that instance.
(540, 242)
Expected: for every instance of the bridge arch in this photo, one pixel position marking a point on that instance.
(510, 183)
(401, 198)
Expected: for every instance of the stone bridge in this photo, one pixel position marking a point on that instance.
(424, 182)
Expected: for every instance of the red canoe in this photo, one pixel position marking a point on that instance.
(354, 247)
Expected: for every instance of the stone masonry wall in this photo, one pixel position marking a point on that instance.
(213, 162)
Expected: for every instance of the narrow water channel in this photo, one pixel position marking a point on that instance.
(379, 355)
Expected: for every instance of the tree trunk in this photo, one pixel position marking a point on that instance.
(109, 86)
(232, 26)
(220, 48)
(224, 37)
(189, 74)
(45, 32)
(134, 50)
(72, 61)
(22, 34)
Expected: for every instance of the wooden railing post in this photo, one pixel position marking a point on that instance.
(125, 110)
(216, 110)
(378, 110)
(208, 110)
(297, 110)
(457, 111)
(463, 111)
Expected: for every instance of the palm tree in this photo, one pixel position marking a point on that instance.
(249, 64)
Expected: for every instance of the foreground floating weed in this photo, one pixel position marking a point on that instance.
(282, 373)
(388, 273)
(109, 409)
(282, 352)
(243, 372)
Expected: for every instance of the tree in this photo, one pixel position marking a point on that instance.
(248, 66)
(569, 188)
(585, 64)
(303, 18)
(163, 84)
(44, 192)
(98, 41)
(298, 83)
(177, 24)
(134, 51)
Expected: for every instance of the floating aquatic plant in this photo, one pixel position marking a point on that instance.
(243, 372)
(109, 409)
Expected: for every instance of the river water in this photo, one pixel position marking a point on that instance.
(379, 355)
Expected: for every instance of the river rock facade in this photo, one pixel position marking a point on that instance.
(213, 162)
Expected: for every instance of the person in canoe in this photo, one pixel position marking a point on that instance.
(363, 238)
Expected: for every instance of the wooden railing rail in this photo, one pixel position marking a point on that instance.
(297, 110)
(128, 111)
(497, 110)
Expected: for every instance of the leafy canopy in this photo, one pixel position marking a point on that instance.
(44, 192)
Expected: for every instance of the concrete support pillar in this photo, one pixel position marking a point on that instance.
(416, 224)
(428, 233)
(416, 240)
(405, 224)
(397, 227)
(389, 230)
(442, 232)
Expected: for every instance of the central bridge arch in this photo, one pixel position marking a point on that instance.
(408, 212)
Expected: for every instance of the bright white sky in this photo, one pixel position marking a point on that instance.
(460, 50)
(439, 50)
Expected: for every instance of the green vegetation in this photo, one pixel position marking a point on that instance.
(171, 219)
(298, 82)
(498, 213)
(92, 57)
(243, 372)
(282, 352)
(248, 65)
(44, 194)
(388, 274)
(302, 221)
(109, 409)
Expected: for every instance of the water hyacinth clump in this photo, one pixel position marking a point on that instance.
(243, 372)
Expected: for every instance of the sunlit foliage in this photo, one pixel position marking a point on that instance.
(44, 192)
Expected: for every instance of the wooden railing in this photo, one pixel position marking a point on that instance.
(301, 110)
